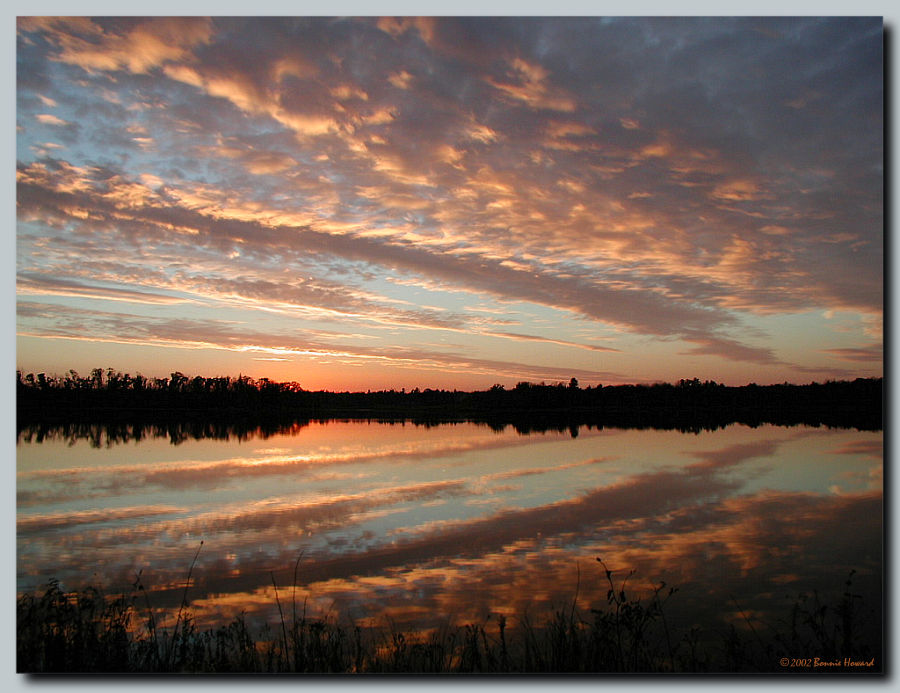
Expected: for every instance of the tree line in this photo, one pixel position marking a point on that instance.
(689, 404)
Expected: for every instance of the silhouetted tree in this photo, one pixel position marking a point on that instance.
(689, 405)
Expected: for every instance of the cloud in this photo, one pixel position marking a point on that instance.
(135, 45)
(862, 447)
(401, 80)
(535, 338)
(617, 303)
(49, 119)
(56, 322)
(30, 284)
(530, 85)
(398, 26)
(731, 349)
(656, 177)
(639, 310)
(868, 353)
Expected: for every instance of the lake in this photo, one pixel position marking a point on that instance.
(409, 527)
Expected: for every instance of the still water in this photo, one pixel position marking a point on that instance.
(423, 526)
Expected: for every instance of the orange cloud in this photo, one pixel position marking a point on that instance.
(401, 79)
(739, 190)
(145, 46)
(397, 26)
(49, 119)
(532, 88)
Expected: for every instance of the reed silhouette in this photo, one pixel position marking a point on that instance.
(87, 631)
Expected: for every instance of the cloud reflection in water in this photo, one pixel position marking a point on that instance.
(451, 524)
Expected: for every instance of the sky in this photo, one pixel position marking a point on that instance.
(368, 203)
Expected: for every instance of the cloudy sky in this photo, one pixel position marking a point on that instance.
(374, 203)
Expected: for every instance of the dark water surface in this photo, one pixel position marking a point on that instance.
(428, 526)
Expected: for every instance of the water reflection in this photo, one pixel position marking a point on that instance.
(229, 428)
(100, 434)
(451, 524)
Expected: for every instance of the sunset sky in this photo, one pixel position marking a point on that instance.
(370, 203)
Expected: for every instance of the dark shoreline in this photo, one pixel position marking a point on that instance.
(260, 406)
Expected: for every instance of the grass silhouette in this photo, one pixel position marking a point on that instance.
(87, 631)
